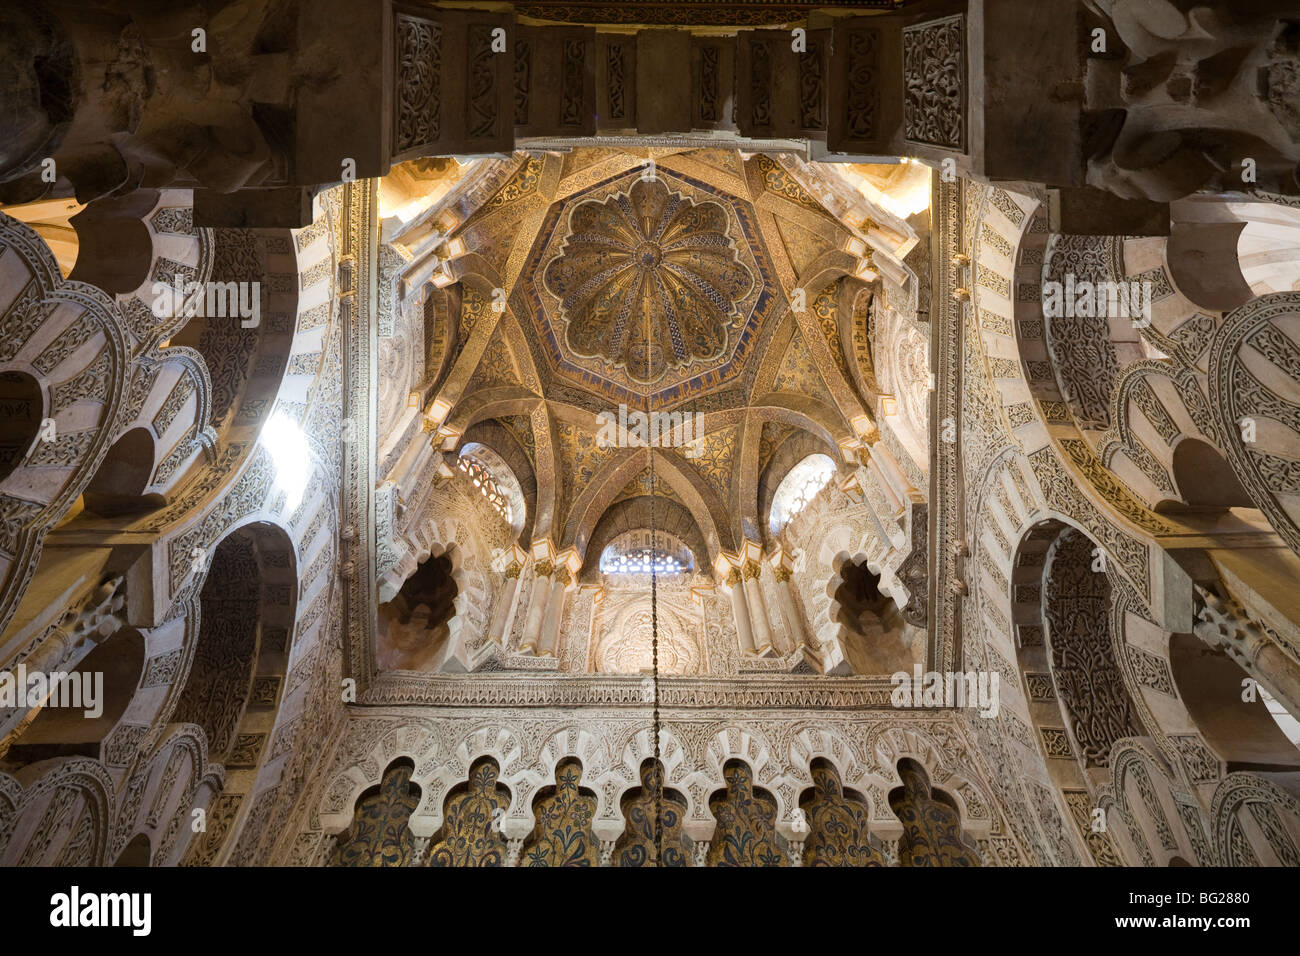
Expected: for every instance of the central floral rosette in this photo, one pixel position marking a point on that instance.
(648, 280)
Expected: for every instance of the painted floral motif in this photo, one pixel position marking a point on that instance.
(563, 813)
(837, 823)
(379, 835)
(746, 832)
(636, 847)
(648, 280)
(471, 833)
(931, 829)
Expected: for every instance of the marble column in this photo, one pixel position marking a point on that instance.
(758, 619)
(744, 631)
(542, 572)
(554, 618)
(504, 612)
(794, 624)
(891, 474)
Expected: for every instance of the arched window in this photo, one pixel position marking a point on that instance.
(638, 552)
(489, 473)
(799, 486)
(485, 483)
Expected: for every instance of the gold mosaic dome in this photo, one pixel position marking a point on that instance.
(648, 279)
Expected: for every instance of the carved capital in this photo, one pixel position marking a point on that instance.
(1225, 625)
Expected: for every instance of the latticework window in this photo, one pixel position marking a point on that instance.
(482, 478)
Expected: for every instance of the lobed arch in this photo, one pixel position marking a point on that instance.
(1252, 377)
(67, 340)
(233, 489)
(1154, 407)
(889, 747)
(900, 644)
(136, 248)
(927, 812)
(391, 800)
(163, 440)
(176, 772)
(480, 787)
(825, 607)
(251, 366)
(611, 770)
(1006, 275)
(455, 542)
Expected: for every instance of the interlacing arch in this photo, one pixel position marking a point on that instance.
(487, 760)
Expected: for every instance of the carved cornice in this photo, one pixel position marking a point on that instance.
(793, 692)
